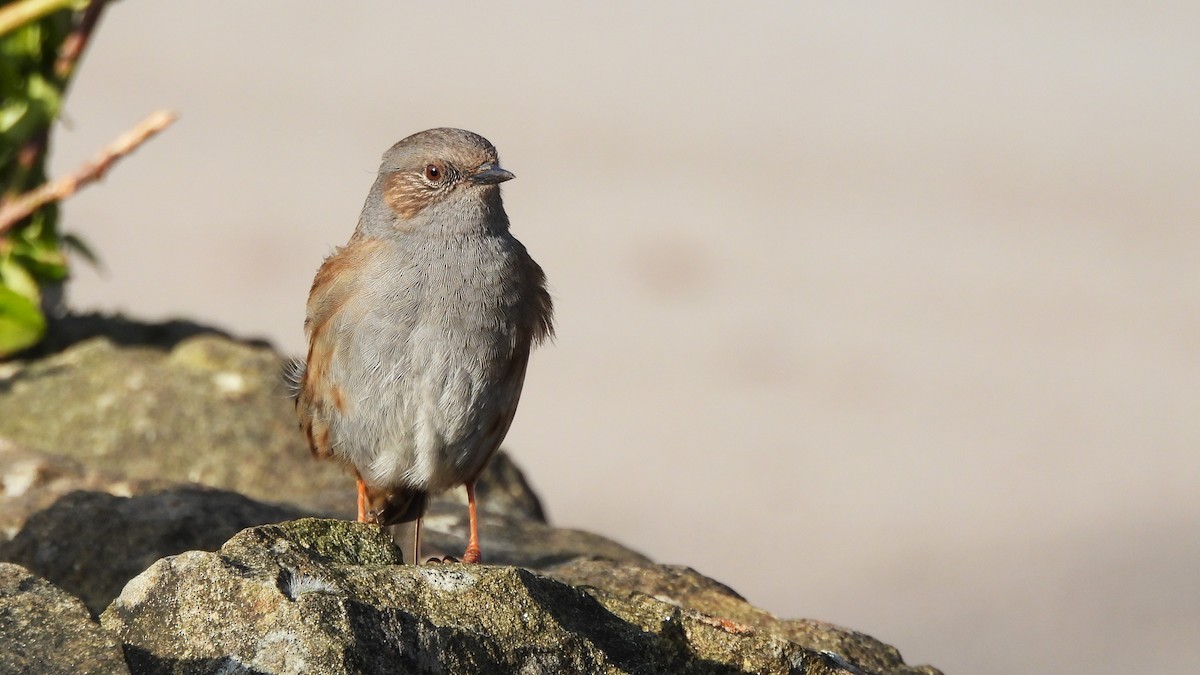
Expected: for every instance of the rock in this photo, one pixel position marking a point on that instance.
(510, 540)
(73, 327)
(92, 543)
(30, 482)
(501, 489)
(47, 631)
(677, 585)
(211, 410)
(328, 596)
(138, 424)
(684, 587)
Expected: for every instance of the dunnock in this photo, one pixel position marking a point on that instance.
(419, 331)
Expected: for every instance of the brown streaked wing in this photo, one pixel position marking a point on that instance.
(320, 395)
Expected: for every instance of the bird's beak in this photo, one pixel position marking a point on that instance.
(491, 174)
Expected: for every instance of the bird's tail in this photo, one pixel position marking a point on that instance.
(293, 375)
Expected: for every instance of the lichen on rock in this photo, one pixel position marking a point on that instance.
(166, 484)
(47, 631)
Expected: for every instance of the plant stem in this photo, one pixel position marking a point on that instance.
(20, 13)
(20, 207)
(72, 47)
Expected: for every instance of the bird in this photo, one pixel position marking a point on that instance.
(419, 331)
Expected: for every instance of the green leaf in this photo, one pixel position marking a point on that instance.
(37, 249)
(21, 322)
(46, 95)
(30, 112)
(19, 280)
(13, 111)
(79, 247)
(48, 265)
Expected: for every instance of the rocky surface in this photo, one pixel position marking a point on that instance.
(32, 481)
(46, 630)
(687, 588)
(207, 409)
(332, 597)
(91, 543)
(166, 485)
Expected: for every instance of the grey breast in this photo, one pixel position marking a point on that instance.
(430, 355)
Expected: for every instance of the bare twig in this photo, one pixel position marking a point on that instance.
(72, 47)
(21, 207)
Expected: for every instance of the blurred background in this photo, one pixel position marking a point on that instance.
(886, 315)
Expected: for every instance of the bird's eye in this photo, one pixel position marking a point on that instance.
(433, 173)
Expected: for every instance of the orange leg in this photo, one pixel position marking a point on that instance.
(472, 554)
(362, 501)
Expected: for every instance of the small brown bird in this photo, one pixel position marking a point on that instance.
(419, 331)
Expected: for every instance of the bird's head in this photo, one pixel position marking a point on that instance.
(440, 180)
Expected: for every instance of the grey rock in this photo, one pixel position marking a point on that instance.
(502, 489)
(685, 587)
(32, 481)
(44, 630)
(91, 543)
(329, 596)
(75, 327)
(138, 425)
(209, 410)
(509, 540)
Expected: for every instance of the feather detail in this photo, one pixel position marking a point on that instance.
(318, 395)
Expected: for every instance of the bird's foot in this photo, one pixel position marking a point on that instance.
(472, 556)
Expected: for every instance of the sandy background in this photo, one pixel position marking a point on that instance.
(884, 316)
